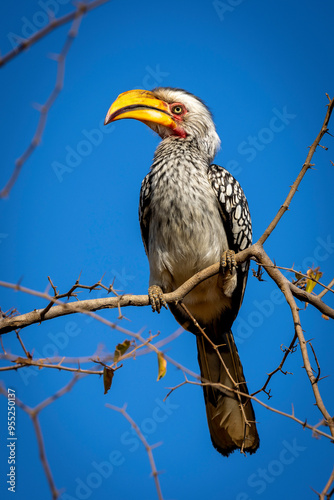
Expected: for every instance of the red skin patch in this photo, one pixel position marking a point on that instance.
(178, 118)
(180, 132)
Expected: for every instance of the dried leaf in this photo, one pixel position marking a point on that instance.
(121, 349)
(315, 274)
(108, 375)
(162, 366)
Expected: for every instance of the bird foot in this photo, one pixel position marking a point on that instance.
(227, 262)
(156, 299)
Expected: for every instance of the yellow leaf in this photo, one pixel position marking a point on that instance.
(121, 349)
(314, 274)
(108, 374)
(162, 366)
(325, 317)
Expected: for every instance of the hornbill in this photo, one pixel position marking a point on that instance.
(193, 214)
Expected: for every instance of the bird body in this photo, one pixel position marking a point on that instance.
(193, 214)
(182, 201)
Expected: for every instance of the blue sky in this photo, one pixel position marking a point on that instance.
(263, 68)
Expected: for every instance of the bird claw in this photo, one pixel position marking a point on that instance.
(156, 299)
(227, 261)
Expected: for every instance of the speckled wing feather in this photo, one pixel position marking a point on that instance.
(144, 209)
(237, 223)
(233, 206)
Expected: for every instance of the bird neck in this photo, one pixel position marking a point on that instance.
(177, 151)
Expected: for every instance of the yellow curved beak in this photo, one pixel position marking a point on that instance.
(141, 105)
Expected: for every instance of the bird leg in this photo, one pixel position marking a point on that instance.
(227, 272)
(227, 262)
(155, 295)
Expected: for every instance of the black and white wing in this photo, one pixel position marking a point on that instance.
(234, 207)
(237, 222)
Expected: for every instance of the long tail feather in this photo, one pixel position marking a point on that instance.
(230, 416)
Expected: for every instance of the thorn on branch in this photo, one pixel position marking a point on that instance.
(259, 273)
(316, 380)
(10, 313)
(291, 348)
(53, 287)
(286, 372)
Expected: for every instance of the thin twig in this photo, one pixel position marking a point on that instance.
(303, 171)
(33, 414)
(54, 23)
(326, 494)
(291, 416)
(329, 287)
(302, 275)
(22, 345)
(45, 108)
(148, 448)
(279, 368)
(42, 455)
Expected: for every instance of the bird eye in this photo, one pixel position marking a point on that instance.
(177, 109)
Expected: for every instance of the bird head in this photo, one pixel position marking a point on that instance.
(170, 112)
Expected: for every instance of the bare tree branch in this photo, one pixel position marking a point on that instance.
(45, 108)
(61, 58)
(263, 259)
(54, 23)
(291, 416)
(307, 364)
(303, 171)
(326, 494)
(148, 448)
(289, 350)
(87, 306)
(329, 286)
(302, 275)
(33, 414)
